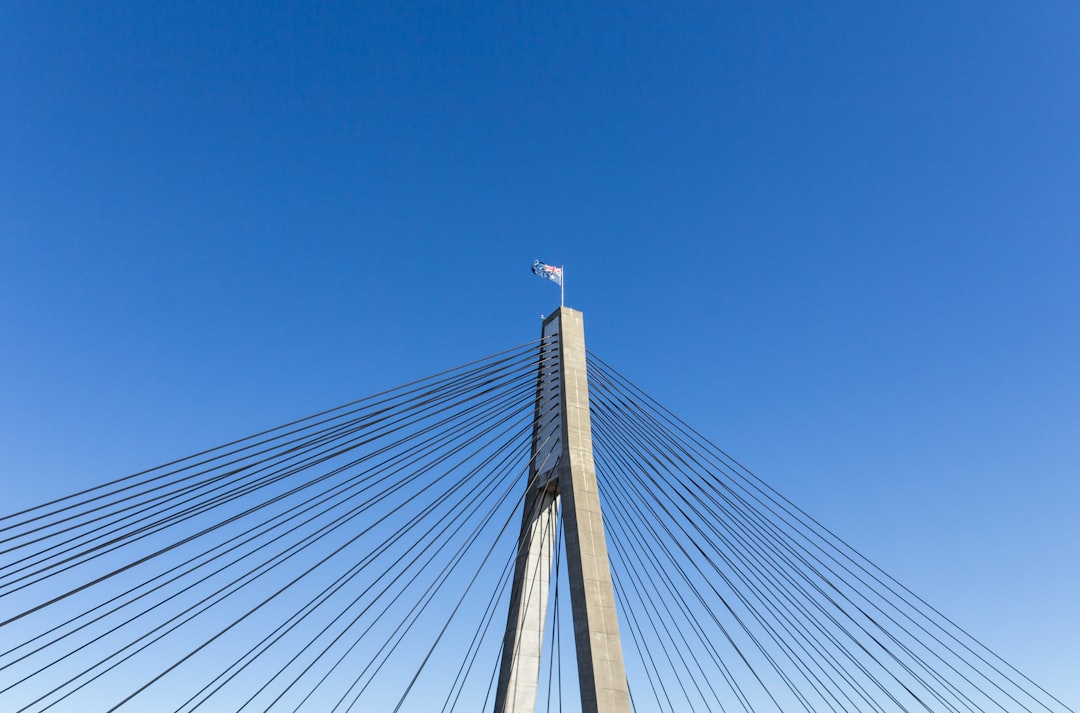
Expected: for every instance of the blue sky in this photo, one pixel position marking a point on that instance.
(843, 241)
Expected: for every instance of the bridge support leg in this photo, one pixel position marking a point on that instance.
(519, 674)
(601, 671)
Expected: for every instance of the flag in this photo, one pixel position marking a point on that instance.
(548, 271)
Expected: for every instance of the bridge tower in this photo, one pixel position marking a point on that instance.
(562, 468)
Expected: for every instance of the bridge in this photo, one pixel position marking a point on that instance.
(526, 532)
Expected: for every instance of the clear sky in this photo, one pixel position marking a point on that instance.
(841, 239)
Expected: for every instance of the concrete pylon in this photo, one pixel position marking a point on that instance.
(563, 468)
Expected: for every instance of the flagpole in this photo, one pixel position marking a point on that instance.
(562, 287)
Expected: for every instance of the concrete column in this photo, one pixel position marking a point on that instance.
(563, 467)
(519, 673)
(601, 670)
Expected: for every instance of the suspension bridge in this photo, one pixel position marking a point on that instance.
(526, 532)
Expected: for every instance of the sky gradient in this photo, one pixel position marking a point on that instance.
(842, 242)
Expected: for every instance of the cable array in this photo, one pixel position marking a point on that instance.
(362, 559)
(335, 563)
(733, 599)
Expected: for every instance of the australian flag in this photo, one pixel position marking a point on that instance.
(548, 271)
